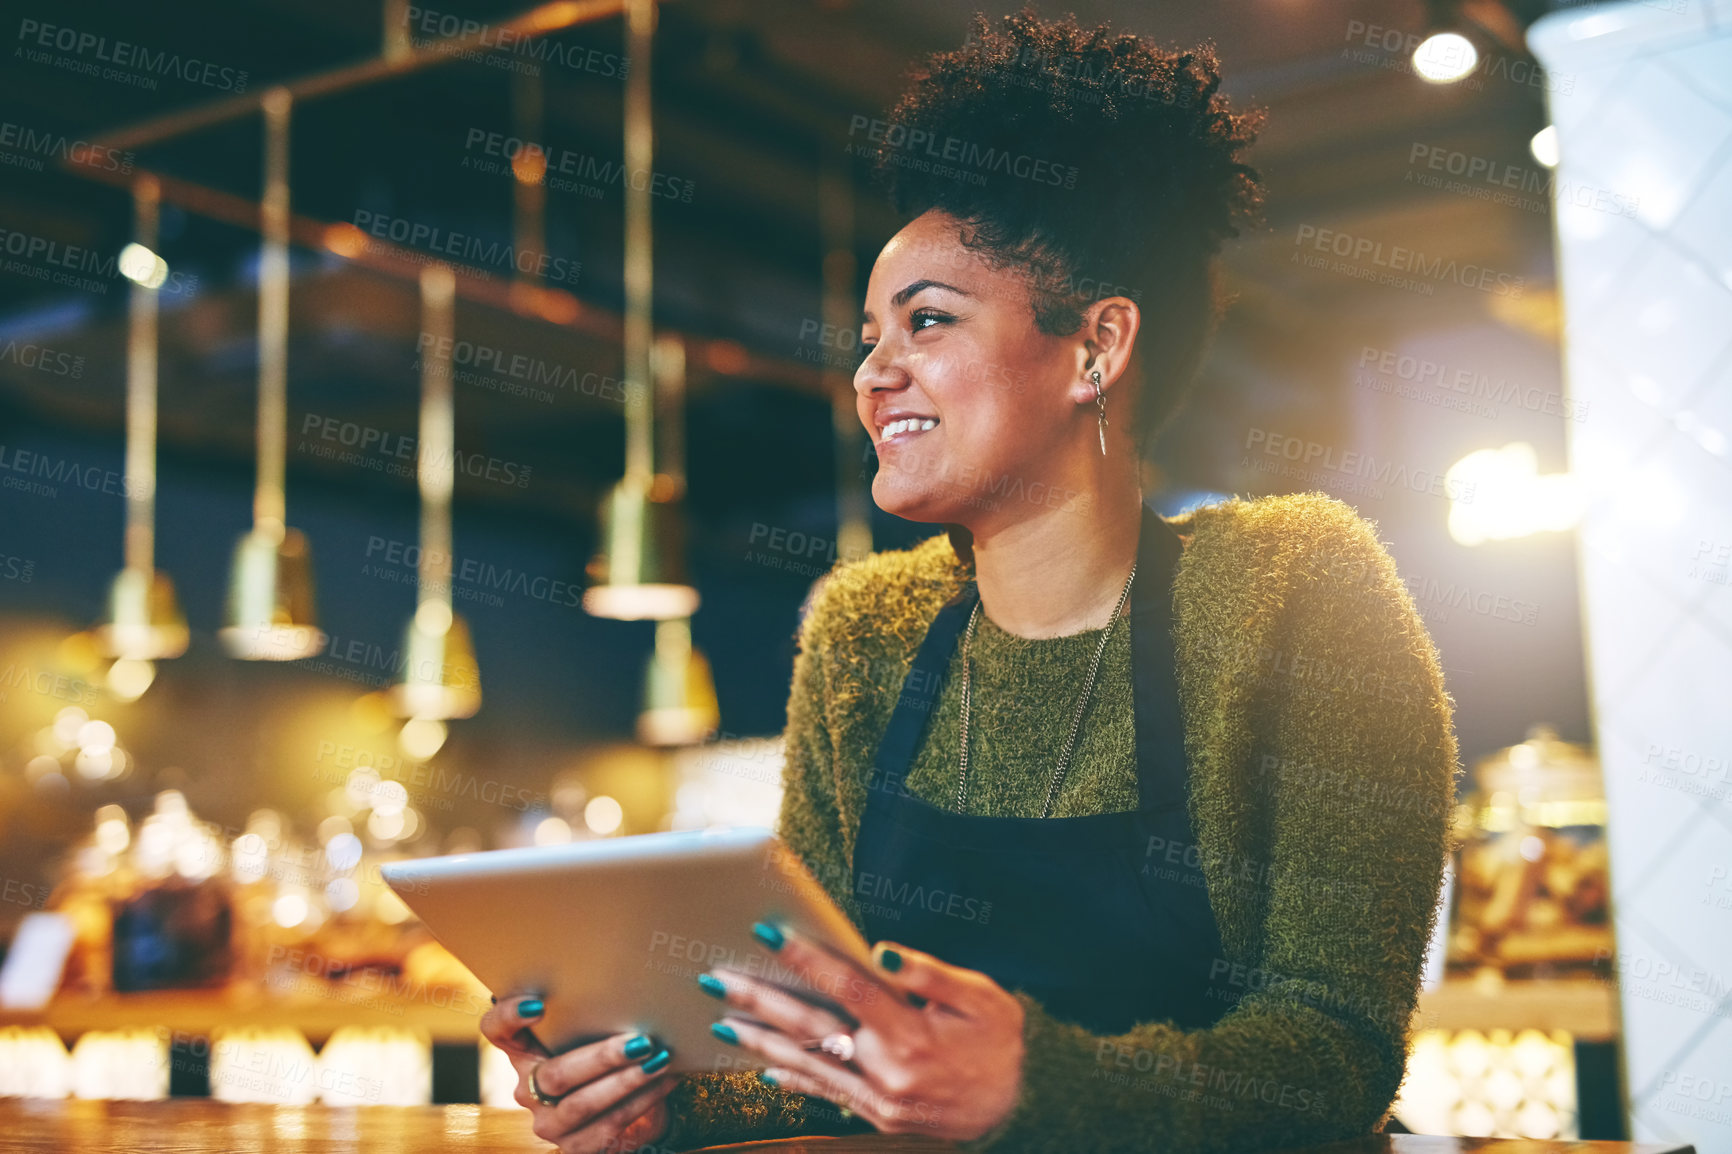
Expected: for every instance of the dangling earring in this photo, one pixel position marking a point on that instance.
(1101, 402)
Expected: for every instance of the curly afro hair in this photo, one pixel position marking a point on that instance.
(1095, 161)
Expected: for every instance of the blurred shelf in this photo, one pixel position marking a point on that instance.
(447, 1015)
(1585, 1008)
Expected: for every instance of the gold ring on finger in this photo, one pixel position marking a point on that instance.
(535, 1091)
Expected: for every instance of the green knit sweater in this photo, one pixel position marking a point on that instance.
(1322, 767)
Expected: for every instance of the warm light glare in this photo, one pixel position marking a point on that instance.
(640, 602)
(94, 765)
(198, 855)
(385, 826)
(422, 737)
(290, 910)
(249, 858)
(376, 1066)
(341, 894)
(128, 678)
(433, 617)
(550, 17)
(112, 833)
(1544, 146)
(343, 852)
(1501, 495)
(96, 736)
(1499, 1084)
(273, 1064)
(345, 240)
(1445, 57)
(552, 831)
(143, 267)
(390, 798)
(529, 166)
(361, 786)
(334, 827)
(121, 1065)
(67, 723)
(603, 814)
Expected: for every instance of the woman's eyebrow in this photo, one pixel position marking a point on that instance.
(913, 287)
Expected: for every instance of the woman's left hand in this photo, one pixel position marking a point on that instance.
(937, 1048)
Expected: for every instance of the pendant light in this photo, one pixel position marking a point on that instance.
(144, 621)
(270, 616)
(679, 690)
(679, 693)
(441, 678)
(639, 572)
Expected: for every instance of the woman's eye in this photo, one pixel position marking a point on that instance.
(866, 351)
(920, 318)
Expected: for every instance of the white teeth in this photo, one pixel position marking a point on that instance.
(906, 424)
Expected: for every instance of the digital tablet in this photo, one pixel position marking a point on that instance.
(613, 932)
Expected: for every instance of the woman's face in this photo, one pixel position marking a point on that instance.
(962, 394)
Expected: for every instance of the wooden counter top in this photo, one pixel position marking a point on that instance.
(199, 1125)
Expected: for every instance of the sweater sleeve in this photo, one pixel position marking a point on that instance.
(711, 1109)
(1350, 776)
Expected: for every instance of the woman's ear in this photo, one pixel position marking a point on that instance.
(1113, 323)
(1109, 337)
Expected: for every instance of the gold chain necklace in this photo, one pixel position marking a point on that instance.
(1059, 771)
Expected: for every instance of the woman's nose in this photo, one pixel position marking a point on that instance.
(878, 371)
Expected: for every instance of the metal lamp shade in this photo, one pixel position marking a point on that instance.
(144, 618)
(640, 571)
(270, 614)
(441, 678)
(680, 705)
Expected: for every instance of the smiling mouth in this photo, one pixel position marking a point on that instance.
(905, 429)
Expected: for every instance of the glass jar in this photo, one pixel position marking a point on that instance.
(1532, 883)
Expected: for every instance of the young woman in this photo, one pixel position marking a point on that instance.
(1146, 816)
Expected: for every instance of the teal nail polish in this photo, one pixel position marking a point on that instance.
(637, 1047)
(712, 986)
(768, 934)
(725, 1032)
(890, 960)
(767, 1078)
(657, 1062)
(530, 1009)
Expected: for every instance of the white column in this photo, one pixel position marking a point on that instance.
(1641, 97)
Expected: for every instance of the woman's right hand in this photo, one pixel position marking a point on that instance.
(607, 1100)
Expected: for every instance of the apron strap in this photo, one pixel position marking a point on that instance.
(921, 687)
(1163, 775)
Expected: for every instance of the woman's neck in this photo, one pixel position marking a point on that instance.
(1060, 572)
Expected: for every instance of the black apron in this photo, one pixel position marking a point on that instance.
(1103, 918)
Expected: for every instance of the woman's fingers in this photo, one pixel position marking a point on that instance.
(642, 1121)
(840, 1084)
(770, 1004)
(814, 972)
(930, 979)
(597, 1111)
(507, 1024)
(622, 1054)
